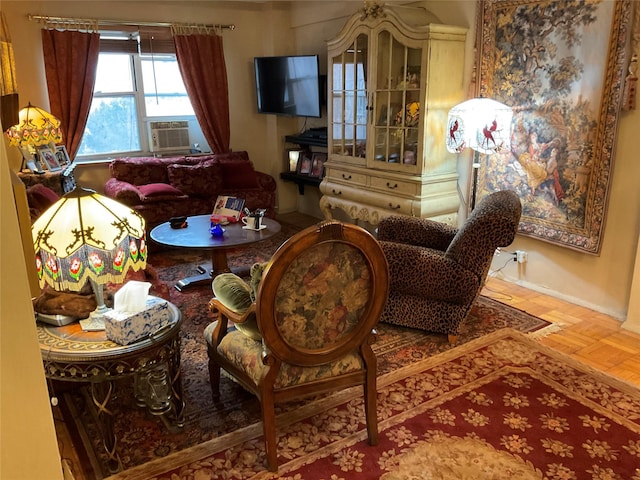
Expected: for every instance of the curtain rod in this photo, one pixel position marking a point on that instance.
(42, 18)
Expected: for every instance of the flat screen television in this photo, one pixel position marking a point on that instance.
(288, 85)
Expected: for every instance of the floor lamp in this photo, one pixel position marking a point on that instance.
(481, 124)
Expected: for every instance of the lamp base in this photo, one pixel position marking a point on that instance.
(95, 322)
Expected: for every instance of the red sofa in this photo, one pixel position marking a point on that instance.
(161, 188)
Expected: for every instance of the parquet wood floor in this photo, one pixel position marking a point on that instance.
(591, 337)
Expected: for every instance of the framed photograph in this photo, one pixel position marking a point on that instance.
(48, 159)
(34, 166)
(564, 82)
(304, 164)
(317, 164)
(62, 156)
(292, 159)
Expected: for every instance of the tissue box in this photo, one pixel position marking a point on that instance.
(127, 327)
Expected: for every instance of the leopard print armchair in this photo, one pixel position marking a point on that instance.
(437, 271)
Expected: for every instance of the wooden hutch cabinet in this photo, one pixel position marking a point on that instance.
(393, 75)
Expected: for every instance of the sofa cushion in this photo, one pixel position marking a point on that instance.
(239, 156)
(142, 170)
(201, 180)
(154, 192)
(238, 175)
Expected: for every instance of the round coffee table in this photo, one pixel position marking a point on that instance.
(70, 354)
(196, 235)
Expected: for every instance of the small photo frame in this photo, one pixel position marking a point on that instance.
(317, 164)
(62, 156)
(48, 159)
(34, 166)
(293, 155)
(304, 164)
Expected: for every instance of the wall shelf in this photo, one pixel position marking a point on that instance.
(307, 140)
(300, 180)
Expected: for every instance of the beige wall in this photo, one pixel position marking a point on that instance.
(28, 446)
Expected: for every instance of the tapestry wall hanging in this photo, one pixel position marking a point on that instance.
(561, 66)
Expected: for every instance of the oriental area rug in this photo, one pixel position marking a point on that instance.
(143, 439)
(502, 406)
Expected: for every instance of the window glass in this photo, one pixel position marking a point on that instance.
(114, 73)
(164, 90)
(112, 126)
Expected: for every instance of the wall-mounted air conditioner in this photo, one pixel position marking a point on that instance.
(164, 136)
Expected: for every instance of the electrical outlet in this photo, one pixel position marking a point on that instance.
(521, 256)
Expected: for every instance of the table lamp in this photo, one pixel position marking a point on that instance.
(482, 124)
(84, 237)
(36, 127)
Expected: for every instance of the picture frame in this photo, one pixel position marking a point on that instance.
(304, 163)
(292, 158)
(317, 165)
(62, 156)
(48, 159)
(566, 107)
(34, 166)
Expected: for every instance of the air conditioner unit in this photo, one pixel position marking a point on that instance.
(164, 136)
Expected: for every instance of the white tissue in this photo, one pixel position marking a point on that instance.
(132, 297)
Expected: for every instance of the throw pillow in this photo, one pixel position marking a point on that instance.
(238, 295)
(238, 175)
(155, 192)
(201, 180)
(41, 197)
(232, 291)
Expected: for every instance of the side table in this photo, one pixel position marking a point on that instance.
(70, 354)
(61, 182)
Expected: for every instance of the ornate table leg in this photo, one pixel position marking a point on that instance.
(173, 367)
(101, 394)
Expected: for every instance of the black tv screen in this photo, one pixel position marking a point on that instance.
(288, 85)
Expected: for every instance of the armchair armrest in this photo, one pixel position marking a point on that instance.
(122, 191)
(416, 231)
(245, 321)
(428, 273)
(265, 181)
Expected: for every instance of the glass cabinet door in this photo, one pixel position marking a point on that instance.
(396, 106)
(349, 99)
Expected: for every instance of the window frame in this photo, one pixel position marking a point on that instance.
(116, 45)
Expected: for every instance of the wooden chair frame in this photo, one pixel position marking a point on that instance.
(278, 351)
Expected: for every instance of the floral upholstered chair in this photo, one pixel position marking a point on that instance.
(437, 271)
(310, 327)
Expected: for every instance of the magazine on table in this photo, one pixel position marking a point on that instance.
(228, 207)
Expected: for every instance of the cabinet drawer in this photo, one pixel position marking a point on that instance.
(394, 186)
(347, 177)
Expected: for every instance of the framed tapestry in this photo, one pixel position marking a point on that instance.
(550, 61)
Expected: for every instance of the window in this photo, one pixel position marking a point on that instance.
(131, 89)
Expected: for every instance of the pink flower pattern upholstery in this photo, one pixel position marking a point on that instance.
(319, 300)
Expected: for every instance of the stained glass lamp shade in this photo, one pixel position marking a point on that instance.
(87, 236)
(482, 124)
(36, 127)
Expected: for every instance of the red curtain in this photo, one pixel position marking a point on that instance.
(201, 61)
(70, 61)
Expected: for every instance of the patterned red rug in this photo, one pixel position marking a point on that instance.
(499, 407)
(143, 437)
